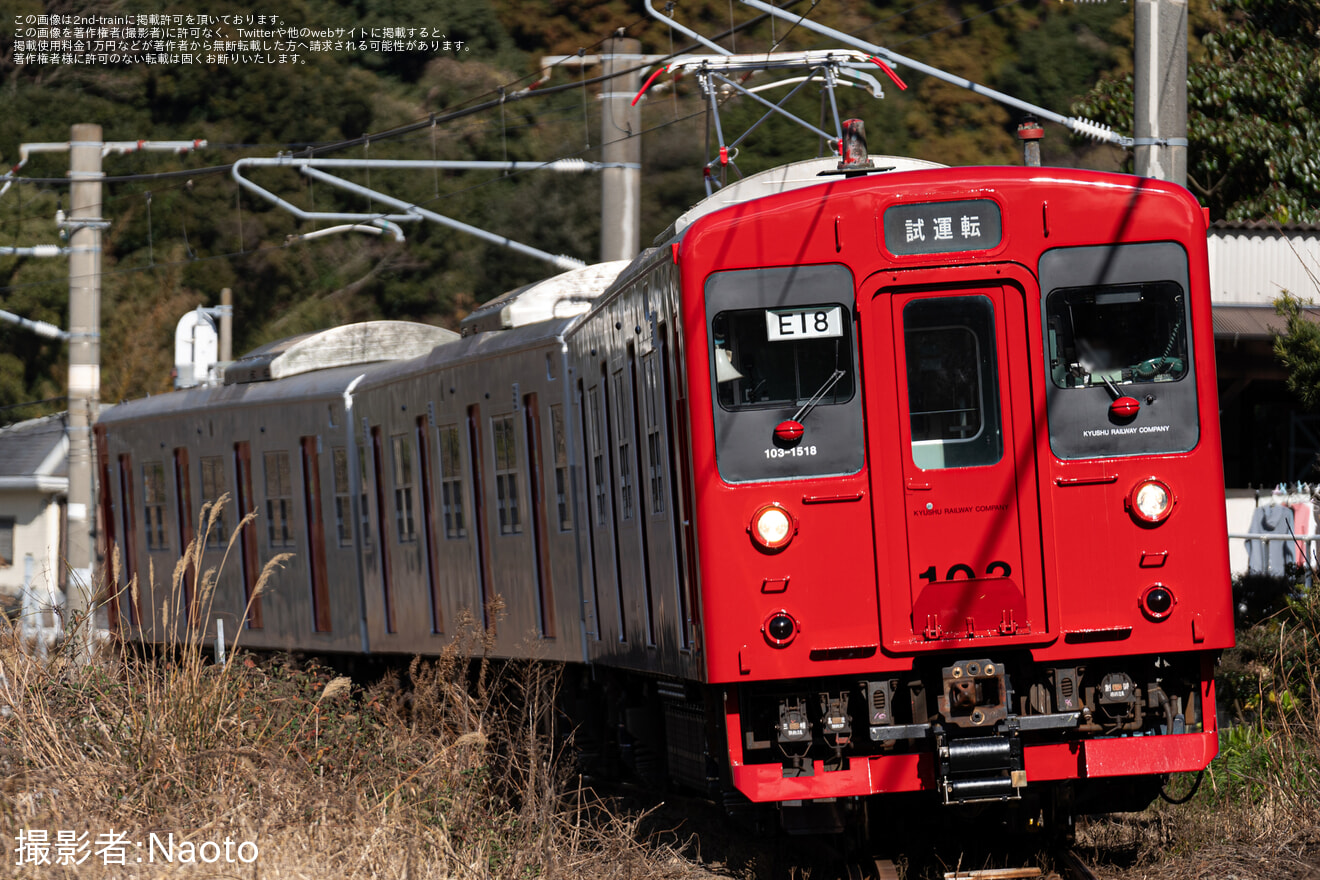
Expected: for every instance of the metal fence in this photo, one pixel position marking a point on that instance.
(1299, 552)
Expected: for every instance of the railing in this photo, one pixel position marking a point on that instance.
(1310, 553)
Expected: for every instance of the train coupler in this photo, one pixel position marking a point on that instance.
(974, 694)
(981, 768)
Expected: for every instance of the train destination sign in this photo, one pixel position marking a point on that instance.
(942, 227)
(783, 325)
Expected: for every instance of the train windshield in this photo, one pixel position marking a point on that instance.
(783, 357)
(782, 347)
(1118, 334)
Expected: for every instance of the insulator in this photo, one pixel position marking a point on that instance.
(569, 166)
(1091, 129)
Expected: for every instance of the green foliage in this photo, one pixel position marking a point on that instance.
(1268, 681)
(1299, 350)
(174, 242)
(1253, 98)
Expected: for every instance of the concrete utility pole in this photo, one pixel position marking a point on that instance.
(85, 224)
(1159, 89)
(226, 325)
(621, 150)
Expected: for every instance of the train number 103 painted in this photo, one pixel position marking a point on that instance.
(995, 569)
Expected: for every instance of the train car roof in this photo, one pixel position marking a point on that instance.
(474, 348)
(352, 344)
(332, 382)
(561, 296)
(795, 175)
(322, 384)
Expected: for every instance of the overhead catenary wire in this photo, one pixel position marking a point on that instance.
(398, 132)
(244, 252)
(1081, 126)
(408, 128)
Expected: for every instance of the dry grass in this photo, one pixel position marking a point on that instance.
(458, 773)
(454, 775)
(1257, 811)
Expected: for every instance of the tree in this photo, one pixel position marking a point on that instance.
(1298, 348)
(1253, 114)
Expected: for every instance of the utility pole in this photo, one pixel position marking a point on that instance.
(621, 149)
(84, 384)
(1159, 89)
(83, 226)
(226, 325)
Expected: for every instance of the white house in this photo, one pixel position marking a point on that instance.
(34, 484)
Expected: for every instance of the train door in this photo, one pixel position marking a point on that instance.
(957, 465)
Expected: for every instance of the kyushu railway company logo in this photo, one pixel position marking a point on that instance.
(38, 847)
(931, 510)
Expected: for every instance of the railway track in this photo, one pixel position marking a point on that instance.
(1068, 866)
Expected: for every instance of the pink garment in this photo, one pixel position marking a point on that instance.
(1302, 526)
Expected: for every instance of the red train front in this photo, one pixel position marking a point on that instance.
(957, 473)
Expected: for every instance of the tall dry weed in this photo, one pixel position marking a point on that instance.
(450, 769)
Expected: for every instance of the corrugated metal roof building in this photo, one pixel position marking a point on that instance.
(1266, 435)
(1252, 263)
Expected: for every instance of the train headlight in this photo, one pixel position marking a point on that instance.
(1150, 501)
(772, 527)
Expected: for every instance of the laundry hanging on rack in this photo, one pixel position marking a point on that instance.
(1276, 519)
(1303, 509)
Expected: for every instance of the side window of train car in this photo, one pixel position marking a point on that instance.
(782, 349)
(451, 483)
(153, 505)
(622, 432)
(560, 440)
(401, 460)
(279, 499)
(654, 447)
(364, 507)
(343, 498)
(598, 455)
(213, 486)
(506, 474)
(953, 384)
(1117, 350)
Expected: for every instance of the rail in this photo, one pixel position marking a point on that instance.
(1063, 864)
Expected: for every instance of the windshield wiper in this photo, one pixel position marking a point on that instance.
(816, 398)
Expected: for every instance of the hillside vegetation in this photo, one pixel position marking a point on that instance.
(175, 241)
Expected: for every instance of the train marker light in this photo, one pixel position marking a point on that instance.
(1124, 408)
(780, 628)
(772, 526)
(1150, 501)
(788, 431)
(1157, 602)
